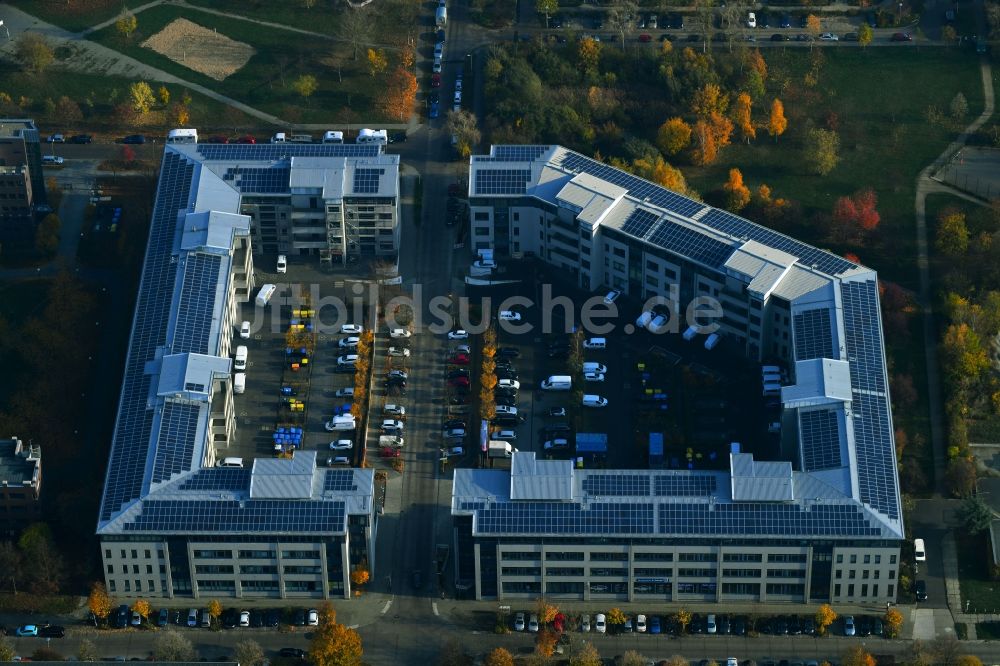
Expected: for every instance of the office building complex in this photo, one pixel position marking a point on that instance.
(20, 484)
(823, 526)
(22, 184)
(172, 522)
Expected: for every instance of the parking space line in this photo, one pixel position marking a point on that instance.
(434, 607)
(385, 608)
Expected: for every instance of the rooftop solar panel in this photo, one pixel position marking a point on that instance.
(556, 518)
(691, 244)
(755, 518)
(366, 181)
(502, 181)
(813, 335)
(276, 151)
(175, 441)
(616, 484)
(683, 485)
(240, 516)
(218, 478)
(339, 480)
(259, 180)
(639, 222)
(820, 440)
(196, 306)
(511, 153)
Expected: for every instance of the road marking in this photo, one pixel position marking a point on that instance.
(434, 605)
(354, 626)
(338, 284)
(385, 608)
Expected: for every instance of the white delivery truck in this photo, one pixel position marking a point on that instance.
(390, 441)
(557, 383)
(333, 136)
(265, 294)
(501, 449)
(241, 358)
(441, 18)
(366, 135)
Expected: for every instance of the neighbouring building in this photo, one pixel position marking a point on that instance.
(20, 484)
(22, 183)
(173, 523)
(824, 525)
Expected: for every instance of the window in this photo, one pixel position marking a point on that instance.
(563, 557)
(517, 231)
(107, 552)
(652, 266)
(875, 590)
(891, 592)
(618, 266)
(786, 557)
(892, 574)
(619, 252)
(128, 585)
(111, 568)
(868, 559)
(123, 555)
(124, 568)
(741, 573)
(149, 568)
(482, 231)
(149, 586)
(741, 557)
(481, 216)
(138, 585)
(148, 555)
(699, 557)
(836, 590)
(878, 559)
(852, 574)
(671, 274)
(517, 217)
(135, 554)
(112, 585)
(864, 590)
(135, 568)
(892, 559)
(864, 574)
(854, 559)
(850, 590)
(839, 574)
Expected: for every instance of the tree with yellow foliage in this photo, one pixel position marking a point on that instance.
(742, 116)
(709, 99)
(777, 124)
(126, 24)
(546, 612)
(141, 606)
(588, 54)
(661, 173)
(215, 609)
(856, 656)
(499, 657)
(334, 644)
(141, 97)
(813, 26)
(673, 135)
(683, 618)
(737, 194)
(586, 655)
(825, 616)
(99, 602)
(377, 62)
(893, 622)
(616, 617)
(968, 660)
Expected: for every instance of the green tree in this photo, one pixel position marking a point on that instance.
(952, 237)
(6, 649)
(960, 477)
(141, 97)
(305, 85)
(547, 7)
(126, 24)
(164, 94)
(168, 645)
(46, 572)
(822, 150)
(975, 515)
(33, 51)
(865, 35)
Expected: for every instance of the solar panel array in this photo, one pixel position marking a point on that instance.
(275, 151)
(366, 181)
(639, 222)
(259, 180)
(813, 335)
(502, 181)
(691, 244)
(677, 485)
(194, 386)
(616, 484)
(228, 516)
(873, 437)
(557, 518)
(518, 153)
(755, 518)
(339, 480)
(808, 255)
(196, 306)
(637, 187)
(176, 439)
(130, 447)
(218, 478)
(820, 440)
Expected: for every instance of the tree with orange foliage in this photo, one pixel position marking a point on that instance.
(545, 642)
(757, 63)
(709, 99)
(710, 136)
(359, 576)
(333, 644)
(737, 194)
(673, 136)
(856, 656)
(400, 93)
(742, 116)
(777, 124)
(661, 173)
(813, 26)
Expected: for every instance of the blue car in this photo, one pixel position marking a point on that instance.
(343, 409)
(435, 110)
(654, 624)
(27, 630)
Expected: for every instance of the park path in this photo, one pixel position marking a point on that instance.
(927, 185)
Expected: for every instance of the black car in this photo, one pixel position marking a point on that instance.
(272, 618)
(121, 617)
(739, 626)
(458, 400)
(794, 625)
(851, 37)
(559, 352)
(763, 20)
(134, 138)
(417, 579)
(725, 626)
(397, 137)
(454, 423)
(864, 626)
(808, 626)
(292, 653)
(786, 21)
(557, 427)
(778, 37)
(504, 364)
(872, 21)
(508, 352)
(675, 22)
(299, 618)
(52, 631)
(804, 21)
(230, 618)
(433, 97)
(920, 589)
(81, 138)
(508, 400)
(505, 420)
(257, 618)
(503, 373)
(458, 372)
(556, 22)
(693, 37)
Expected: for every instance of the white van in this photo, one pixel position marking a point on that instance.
(282, 265)
(595, 343)
(919, 552)
(231, 462)
(591, 366)
(711, 341)
(241, 358)
(366, 135)
(265, 294)
(644, 319)
(182, 136)
(557, 383)
(594, 401)
(343, 422)
(504, 409)
(240, 383)
(658, 324)
(279, 137)
(690, 333)
(331, 136)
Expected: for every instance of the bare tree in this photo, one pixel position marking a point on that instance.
(622, 18)
(356, 27)
(171, 646)
(249, 652)
(705, 16)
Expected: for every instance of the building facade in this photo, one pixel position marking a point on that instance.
(172, 522)
(823, 526)
(22, 183)
(20, 484)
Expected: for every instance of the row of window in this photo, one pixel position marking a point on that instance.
(890, 590)
(852, 574)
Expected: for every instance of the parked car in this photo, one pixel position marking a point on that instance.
(901, 37)
(849, 629)
(81, 138)
(459, 334)
(533, 623)
(56, 138)
(292, 653)
(829, 37)
(134, 139)
(600, 623)
(26, 630)
(52, 631)
(312, 618)
(519, 622)
(352, 329)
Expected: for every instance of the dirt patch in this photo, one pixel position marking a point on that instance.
(201, 49)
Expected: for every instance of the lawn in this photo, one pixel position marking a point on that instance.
(74, 16)
(988, 631)
(982, 593)
(885, 139)
(265, 81)
(21, 300)
(104, 92)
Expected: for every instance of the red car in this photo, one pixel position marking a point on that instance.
(645, 38)
(389, 452)
(901, 37)
(459, 381)
(459, 359)
(435, 80)
(246, 139)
